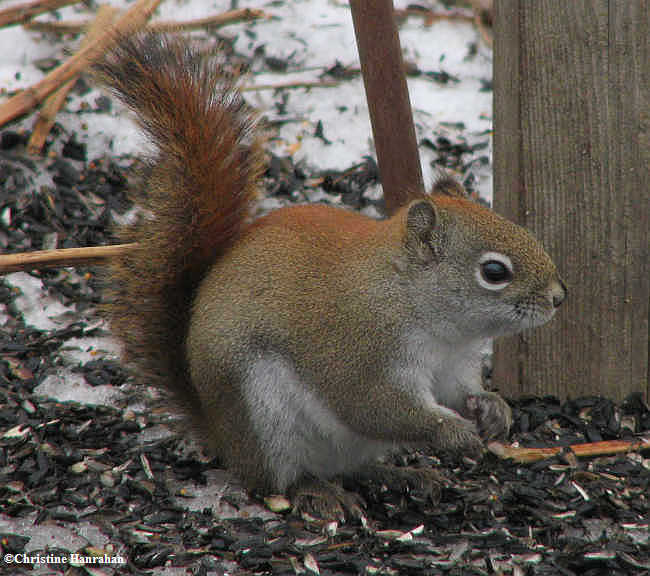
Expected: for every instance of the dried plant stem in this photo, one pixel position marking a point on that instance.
(61, 258)
(216, 21)
(25, 12)
(47, 114)
(289, 85)
(486, 33)
(609, 447)
(483, 18)
(430, 16)
(129, 21)
(60, 27)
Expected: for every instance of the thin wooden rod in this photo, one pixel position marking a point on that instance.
(55, 101)
(605, 448)
(24, 12)
(132, 19)
(208, 22)
(61, 258)
(388, 101)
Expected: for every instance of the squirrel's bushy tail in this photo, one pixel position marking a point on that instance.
(201, 182)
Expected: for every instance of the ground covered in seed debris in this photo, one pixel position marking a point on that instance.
(111, 475)
(107, 479)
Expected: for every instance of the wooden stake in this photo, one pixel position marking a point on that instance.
(47, 114)
(61, 258)
(129, 22)
(609, 447)
(388, 101)
(24, 12)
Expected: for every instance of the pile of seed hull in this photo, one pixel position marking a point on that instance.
(100, 474)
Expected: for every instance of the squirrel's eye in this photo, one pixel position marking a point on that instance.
(495, 272)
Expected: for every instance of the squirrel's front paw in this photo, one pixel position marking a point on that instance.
(491, 414)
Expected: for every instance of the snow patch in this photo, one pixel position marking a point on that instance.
(38, 309)
(67, 386)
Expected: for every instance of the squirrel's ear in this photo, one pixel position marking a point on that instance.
(448, 186)
(420, 222)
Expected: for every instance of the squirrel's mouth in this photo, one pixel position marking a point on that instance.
(533, 314)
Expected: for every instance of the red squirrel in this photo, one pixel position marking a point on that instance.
(308, 343)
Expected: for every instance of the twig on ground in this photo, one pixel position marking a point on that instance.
(60, 258)
(128, 22)
(47, 114)
(484, 19)
(289, 85)
(481, 17)
(429, 16)
(216, 21)
(22, 13)
(605, 448)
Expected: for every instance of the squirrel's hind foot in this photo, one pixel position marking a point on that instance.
(325, 500)
(423, 482)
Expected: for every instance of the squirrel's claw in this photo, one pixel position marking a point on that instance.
(491, 413)
(325, 501)
(425, 481)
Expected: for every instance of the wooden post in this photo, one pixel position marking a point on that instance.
(388, 101)
(571, 159)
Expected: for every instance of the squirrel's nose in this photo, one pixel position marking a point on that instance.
(558, 292)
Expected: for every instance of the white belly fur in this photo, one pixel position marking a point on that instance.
(297, 433)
